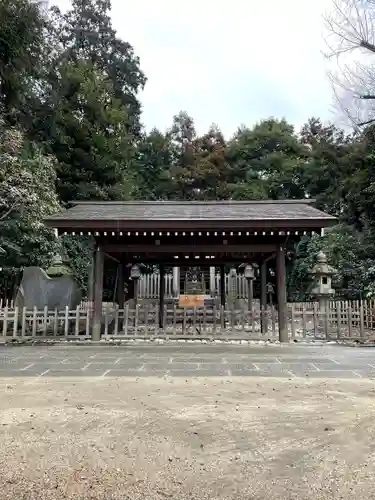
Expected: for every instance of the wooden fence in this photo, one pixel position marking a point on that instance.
(149, 286)
(339, 320)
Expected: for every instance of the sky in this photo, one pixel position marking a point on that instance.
(228, 62)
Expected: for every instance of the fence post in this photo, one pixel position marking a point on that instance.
(5, 322)
(350, 316)
(315, 319)
(222, 317)
(34, 322)
(338, 318)
(15, 324)
(303, 310)
(273, 319)
(174, 321)
(66, 324)
(292, 322)
(125, 325)
(23, 326)
(361, 320)
(326, 318)
(214, 319)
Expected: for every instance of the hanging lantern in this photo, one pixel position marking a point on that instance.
(249, 272)
(135, 272)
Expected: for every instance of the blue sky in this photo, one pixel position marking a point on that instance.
(228, 62)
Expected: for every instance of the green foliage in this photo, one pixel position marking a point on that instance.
(349, 251)
(78, 251)
(152, 167)
(22, 24)
(27, 196)
(89, 135)
(85, 33)
(329, 158)
(267, 161)
(71, 129)
(71, 84)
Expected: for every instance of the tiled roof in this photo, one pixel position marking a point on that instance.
(293, 210)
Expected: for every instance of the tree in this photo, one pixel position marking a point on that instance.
(85, 33)
(347, 251)
(350, 26)
(360, 195)
(329, 157)
(152, 167)
(210, 172)
(267, 161)
(202, 169)
(22, 27)
(182, 135)
(87, 132)
(85, 111)
(27, 196)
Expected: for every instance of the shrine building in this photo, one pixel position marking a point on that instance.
(209, 234)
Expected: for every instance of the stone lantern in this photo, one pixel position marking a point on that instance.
(322, 274)
(58, 268)
(249, 276)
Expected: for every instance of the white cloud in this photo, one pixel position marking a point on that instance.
(228, 61)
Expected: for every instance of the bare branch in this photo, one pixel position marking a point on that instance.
(368, 46)
(366, 123)
(350, 39)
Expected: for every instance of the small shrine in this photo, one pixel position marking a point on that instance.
(200, 235)
(194, 281)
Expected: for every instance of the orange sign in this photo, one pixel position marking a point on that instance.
(191, 301)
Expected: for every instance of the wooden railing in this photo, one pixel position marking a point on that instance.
(338, 320)
(149, 286)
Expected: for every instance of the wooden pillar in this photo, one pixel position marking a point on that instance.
(121, 292)
(250, 294)
(281, 295)
(161, 295)
(222, 285)
(91, 279)
(98, 294)
(176, 281)
(263, 297)
(212, 281)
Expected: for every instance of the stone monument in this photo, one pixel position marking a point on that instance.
(55, 288)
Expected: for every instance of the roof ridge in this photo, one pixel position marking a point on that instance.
(306, 201)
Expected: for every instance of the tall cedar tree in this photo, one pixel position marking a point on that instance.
(22, 27)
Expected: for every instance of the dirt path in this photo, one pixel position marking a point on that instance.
(153, 439)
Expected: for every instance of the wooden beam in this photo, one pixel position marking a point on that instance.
(227, 259)
(111, 257)
(191, 249)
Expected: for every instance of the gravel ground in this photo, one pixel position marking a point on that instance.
(200, 438)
